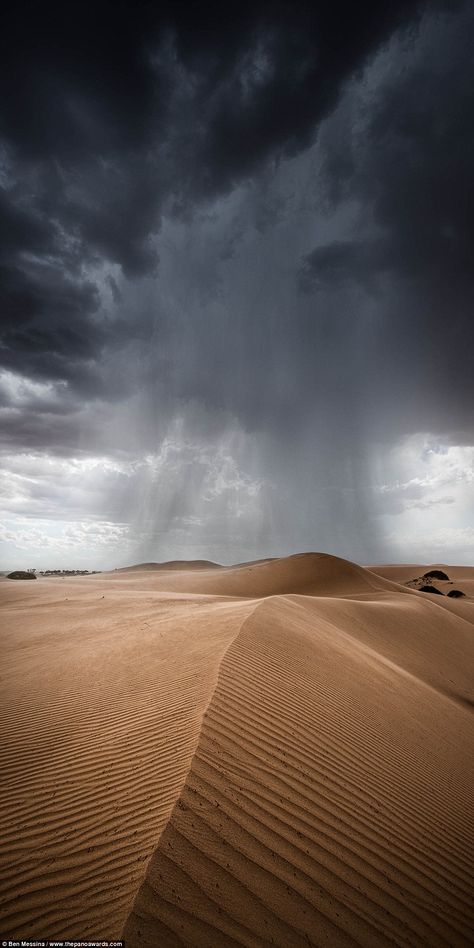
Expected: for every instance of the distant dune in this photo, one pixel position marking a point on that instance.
(171, 564)
(308, 573)
(279, 753)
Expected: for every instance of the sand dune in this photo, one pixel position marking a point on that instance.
(312, 574)
(102, 705)
(279, 753)
(180, 565)
(460, 576)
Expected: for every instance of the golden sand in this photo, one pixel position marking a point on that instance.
(276, 753)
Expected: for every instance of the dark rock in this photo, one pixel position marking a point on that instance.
(435, 574)
(20, 574)
(431, 589)
(456, 594)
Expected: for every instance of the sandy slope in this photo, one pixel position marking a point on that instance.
(170, 565)
(324, 797)
(461, 577)
(102, 700)
(308, 573)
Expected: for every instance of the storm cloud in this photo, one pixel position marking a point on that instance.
(236, 277)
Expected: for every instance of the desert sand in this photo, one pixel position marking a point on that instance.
(276, 753)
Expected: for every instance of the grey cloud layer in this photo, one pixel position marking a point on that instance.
(405, 152)
(256, 218)
(108, 112)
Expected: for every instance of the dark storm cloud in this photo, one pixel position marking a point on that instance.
(87, 77)
(344, 262)
(405, 152)
(110, 111)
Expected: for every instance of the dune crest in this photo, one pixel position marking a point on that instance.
(278, 752)
(182, 565)
(96, 744)
(311, 574)
(310, 815)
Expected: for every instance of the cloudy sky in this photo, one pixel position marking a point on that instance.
(236, 282)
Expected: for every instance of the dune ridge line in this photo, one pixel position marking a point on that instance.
(285, 834)
(95, 747)
(277, 751)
